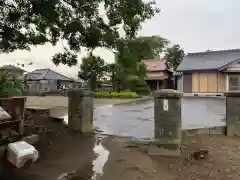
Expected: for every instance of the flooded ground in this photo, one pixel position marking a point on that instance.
(137, 119)
(64, 155)
(70, 156)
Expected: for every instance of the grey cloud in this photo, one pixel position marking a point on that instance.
(198, 25)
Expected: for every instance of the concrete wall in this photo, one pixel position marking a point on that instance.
(180, 83)
(47, 86)
(15, 108)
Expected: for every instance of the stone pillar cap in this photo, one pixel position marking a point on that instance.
(167, 93)
(80, 92)
(232, 94)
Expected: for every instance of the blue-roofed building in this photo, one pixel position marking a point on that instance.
(210, 72)
(49, 81)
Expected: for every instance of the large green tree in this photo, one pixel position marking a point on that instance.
(129, 55)
(132, 51)
(78, 22)
(174, 55)
(117, 75)
(92, 69)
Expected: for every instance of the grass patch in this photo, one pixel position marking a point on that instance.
(124, 94)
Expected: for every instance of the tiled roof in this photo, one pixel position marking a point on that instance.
(208, 60)
(156, 65)
(47, 74)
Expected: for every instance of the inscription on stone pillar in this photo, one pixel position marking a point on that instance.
(80, 113)
(167, 117)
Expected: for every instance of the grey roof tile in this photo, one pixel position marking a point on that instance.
(208, 60)
(46, 74)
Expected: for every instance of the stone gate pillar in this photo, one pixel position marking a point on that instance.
(80, 110)
(167, 118)
(18, 112)
(233, 113)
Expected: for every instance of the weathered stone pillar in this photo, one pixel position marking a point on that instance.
(233, 113)
(18, 112)
(167, 118)
(80, 110)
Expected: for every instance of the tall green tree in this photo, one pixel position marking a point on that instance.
(117, 76)
(78, 22)
(135, 50)
(174, 55)
(91, 70)
(131, 52)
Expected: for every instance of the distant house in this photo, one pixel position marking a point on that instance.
(158, 74)
(210, 72)
(47, 80)
(11, 71)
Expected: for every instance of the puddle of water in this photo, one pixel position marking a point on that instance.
(97, 165)
(65, 119)
(100, 161)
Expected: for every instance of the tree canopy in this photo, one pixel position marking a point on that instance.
(129, 56)
(174, 55)
(131, 52)
(78, 22)
(91, 70)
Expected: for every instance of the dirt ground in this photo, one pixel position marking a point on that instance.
(63, 151)
(60, 150)
(222, 163)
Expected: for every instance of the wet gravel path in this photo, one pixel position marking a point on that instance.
(137, 119)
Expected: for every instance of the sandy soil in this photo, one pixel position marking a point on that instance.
(223, 162)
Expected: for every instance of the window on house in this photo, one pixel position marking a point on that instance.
(234, 83)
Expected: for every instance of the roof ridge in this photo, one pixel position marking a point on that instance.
(209, 51)
(48, 69)
(58, 74)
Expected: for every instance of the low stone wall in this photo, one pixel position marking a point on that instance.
(35, 118)
(209, 95)
(205, 131)
(15, 107)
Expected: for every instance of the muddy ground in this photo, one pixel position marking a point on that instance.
(223, 162)
(63, 151)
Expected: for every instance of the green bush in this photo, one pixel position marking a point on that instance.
(106, 94)
(10, 86)
(139, 86)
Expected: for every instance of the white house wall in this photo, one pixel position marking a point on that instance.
(234, 67)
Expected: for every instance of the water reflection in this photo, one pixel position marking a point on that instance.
(99, 162)
(94, 170)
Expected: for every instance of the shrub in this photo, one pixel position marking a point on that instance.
(10, 86)
(106, 94)
(139, 86)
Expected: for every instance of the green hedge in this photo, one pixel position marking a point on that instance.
(116, 95)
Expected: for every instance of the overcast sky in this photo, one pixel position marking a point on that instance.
(196, 25)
